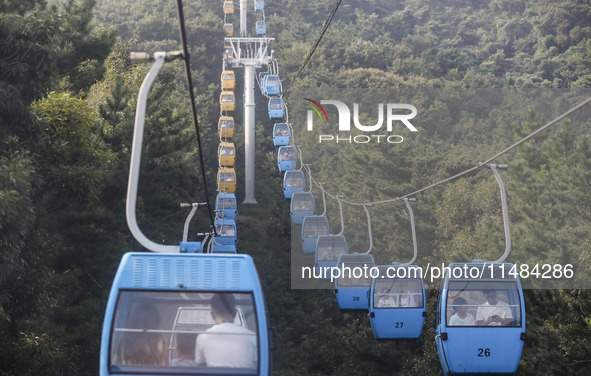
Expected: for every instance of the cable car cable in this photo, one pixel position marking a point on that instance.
(183, 35)
(479, 165)
(326, 25)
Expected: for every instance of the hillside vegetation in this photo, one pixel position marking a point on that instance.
(67, 103)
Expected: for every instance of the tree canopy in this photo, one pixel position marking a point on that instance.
(67, 103)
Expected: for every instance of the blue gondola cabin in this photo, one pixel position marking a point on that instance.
(226, 206)
(281, 134)
(302, 205)
(397, 302)
(271, 85)
(287, 158)
(312, 228)
(480, 319)
(293, 181)
(261, 27)
(352, 286)
(159, 320)
(275, 108)
(328, 250)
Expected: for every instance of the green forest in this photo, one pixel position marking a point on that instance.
(487, 74)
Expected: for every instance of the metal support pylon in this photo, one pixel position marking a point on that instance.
(250, 53)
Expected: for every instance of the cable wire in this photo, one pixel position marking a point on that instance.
(326, 25)
(478, 166)
(183, 34)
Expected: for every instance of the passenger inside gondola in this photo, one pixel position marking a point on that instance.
(185, 346)
(286, 155)
(405, 292)
(226, 344)
(486, 302)
(494, 312)
(407, 296)
(386, 300)
(303, 205)
(142, 344)
(461, 315)
(330, 252)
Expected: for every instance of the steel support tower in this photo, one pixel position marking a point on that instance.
(250, 53)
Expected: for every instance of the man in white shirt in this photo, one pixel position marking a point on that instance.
(226, 344)
(406, 298)
(494, 312)
(386, 300)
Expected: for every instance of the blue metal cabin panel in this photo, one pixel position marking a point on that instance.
(287, 166)
(397, 323)
(230, 213)
(441, 352)
(308, 245)
(191, 247)
(297, 216)
(280, 140)
(196, 271)
(223, 248)
(352, 298)
(466, 350)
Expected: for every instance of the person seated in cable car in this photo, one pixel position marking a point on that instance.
(226, 344)
(386, 300)
(461, 315)
(185, 346)
(406, 296)
(327, 253)
(494, 312)
(143, 344)
(285, 156)
(306, 205)
(302, 205)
